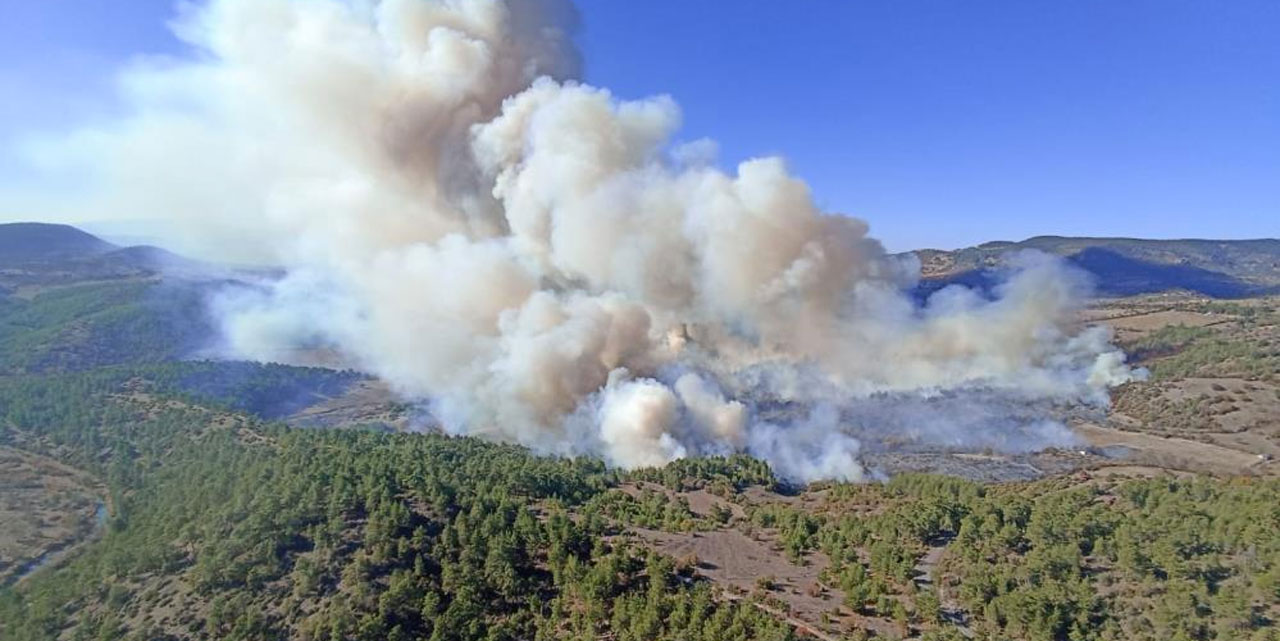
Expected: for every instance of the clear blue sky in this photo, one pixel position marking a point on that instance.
(942, 122)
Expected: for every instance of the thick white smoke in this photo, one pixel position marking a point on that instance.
(533, 256)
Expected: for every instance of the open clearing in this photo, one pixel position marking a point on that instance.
(1174, 453)
(1150, 321)
(45, 507)
(366, 402)
(737, 562)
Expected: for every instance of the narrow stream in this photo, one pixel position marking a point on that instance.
(100, 514)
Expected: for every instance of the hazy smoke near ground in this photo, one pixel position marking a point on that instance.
(537, 260)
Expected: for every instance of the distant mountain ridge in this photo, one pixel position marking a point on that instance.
(43, 254)
(1125, 266)
(49, 253)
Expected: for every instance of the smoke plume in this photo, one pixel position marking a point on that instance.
(538, 261)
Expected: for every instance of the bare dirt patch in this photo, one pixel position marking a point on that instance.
(44, 507)
(1136, 472)
(700, 502)
(1151, 321)
(738, 563)
(1173, 453)
(732, 558)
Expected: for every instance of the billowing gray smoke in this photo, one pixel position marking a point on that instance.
(536, 259)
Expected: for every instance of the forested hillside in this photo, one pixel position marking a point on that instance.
(90, 325)
(228, 527)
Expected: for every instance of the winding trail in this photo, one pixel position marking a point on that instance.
(926, 569)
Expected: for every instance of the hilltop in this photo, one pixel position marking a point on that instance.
(41, 242)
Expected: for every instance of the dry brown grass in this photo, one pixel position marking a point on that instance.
(44, 506)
